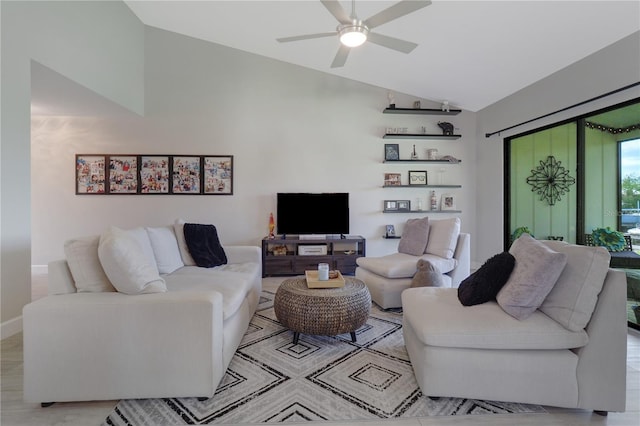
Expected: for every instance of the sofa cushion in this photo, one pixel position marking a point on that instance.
(414, 237)
(178, 228)
(126, 265)
(233, 281)
(142, 238)
(165, 249)
(438, 319)
(84, 264)
(443, 237)
(609, 239)
(536, 271)
(400, 265)
(427, 275)
(573, 298)
(484, 284)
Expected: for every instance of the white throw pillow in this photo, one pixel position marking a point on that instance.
(140, 235)
(165, 249)
(127, 267)
(187, 259)
(443, 237)
(84, 264)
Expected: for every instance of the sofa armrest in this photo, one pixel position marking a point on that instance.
(59, 277)
(602, 363)
(113, 346)
(241, 254)
(463, 255)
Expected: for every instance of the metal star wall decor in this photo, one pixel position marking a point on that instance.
(550, 180)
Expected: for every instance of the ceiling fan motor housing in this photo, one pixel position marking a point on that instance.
(353, 34)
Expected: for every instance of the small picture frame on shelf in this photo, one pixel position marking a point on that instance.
(390, 231)
(390, 205)
(417, 177)
(404, 205)
(392, 179)
(448, 202)
(391, 151)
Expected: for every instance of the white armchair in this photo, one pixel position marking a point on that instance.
(388, 276)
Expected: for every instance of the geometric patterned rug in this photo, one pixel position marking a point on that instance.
(271, 380)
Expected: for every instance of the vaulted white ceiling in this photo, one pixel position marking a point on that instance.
(471, 53)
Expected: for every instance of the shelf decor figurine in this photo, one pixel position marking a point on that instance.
(434, 201)
(392, 100)
(272, 226)
(416, 105)
(447, 128)
(414, 154)
(445, 106)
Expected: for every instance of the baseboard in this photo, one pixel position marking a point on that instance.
(11, 327)
(39, 269)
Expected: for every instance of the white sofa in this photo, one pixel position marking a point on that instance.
(388, 276)
(108, 345)
(571, 351)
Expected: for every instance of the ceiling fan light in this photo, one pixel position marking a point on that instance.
(353, 36)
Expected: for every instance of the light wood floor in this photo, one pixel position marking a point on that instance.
(14, 412)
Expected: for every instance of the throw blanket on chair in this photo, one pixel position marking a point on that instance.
(204, 245)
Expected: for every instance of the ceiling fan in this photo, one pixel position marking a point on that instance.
(353, 32)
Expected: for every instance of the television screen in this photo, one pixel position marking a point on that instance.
(309, 213)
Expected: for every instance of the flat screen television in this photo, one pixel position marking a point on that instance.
(312, 213)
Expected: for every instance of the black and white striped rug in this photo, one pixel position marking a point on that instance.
(320, 378)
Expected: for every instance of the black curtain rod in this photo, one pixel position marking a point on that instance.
(488, 135)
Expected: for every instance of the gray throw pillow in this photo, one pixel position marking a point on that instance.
(414, 237)
(535, 273)
(427, 275)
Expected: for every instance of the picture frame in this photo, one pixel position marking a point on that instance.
(417, 177)
(404, 205)
(448, 202)
(390, 231)
(90, 174)
(218, 175)
(392, 179)
(123, 174)
(154, 174)
(391, 151)
(186, 174)
(390, 205)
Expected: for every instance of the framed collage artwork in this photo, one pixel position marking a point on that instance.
(130, 174)
(218, 171)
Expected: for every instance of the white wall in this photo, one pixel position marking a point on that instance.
(98, 44)
(289, 128)
(607, 70)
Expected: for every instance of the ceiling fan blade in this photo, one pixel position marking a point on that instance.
(306, 37)
(334, 7)
(341, 56)
(392, 42)
(399, 9)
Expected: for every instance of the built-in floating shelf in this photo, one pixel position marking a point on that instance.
(389, 237)
(423, 161)
(422, 186)
(425, 111)
(422, 211)
(419, 136)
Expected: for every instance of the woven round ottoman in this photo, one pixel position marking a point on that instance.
(322, 311)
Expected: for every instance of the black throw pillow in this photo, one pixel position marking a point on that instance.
(484, 284)
(204, 245)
